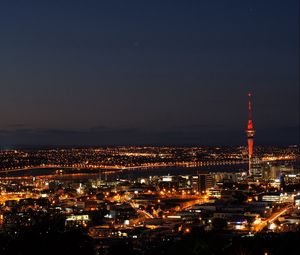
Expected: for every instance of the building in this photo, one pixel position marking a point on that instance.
(271, 197)
(77, 221)
(273, 172)
(202, 182)
(256, 169)
(169, 182)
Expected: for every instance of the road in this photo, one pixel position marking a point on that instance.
(259, 227)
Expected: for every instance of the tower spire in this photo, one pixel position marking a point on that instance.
(250, 121)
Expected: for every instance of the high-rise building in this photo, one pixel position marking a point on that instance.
(256, 168)
(202, 182)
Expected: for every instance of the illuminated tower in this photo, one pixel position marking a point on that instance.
(250, 132)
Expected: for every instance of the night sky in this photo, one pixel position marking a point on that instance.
(109, 72)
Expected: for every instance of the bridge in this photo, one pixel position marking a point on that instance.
(120, 167)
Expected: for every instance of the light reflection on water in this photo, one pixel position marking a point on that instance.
(121, 174)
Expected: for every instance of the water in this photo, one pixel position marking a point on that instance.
(121, 174)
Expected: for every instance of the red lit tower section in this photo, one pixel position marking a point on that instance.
(250, 131)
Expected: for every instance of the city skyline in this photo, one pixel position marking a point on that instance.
(170, 73)
(149, 127)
